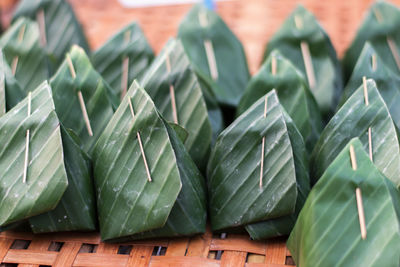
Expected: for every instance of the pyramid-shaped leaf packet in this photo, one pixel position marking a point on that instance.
(23, 53)
(372, 66)
(278, 73)
(364, 115)
(351, 216)
(381, 29)
(251, 172)
(59, 28)
(283, 225)
(77, 208)
(82, 98)
(177, 94)
(32, 177)
(216, 54)
(123, 58)
(146, 183)
(304, 42)
(11, 92)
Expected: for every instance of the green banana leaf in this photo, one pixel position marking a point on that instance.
(353, 120)
(10, 90)
(128, 44)
(234, 168)
(131, 207)
(293, 94)
(388, 82)
(46, 179)
(283, 225)
(21, 48)
(201, 26)
(77, 208)
(381, 23)
(97, 96)
(327, 232)
(302, 26)
(191, 109)
(59, 26)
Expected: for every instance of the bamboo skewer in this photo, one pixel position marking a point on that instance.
(146, 166)
(14, 63)
(125, 67)
(373, 59)
(80, 97)
(208, 46)
(27, 142)
(389, 40)
(42, 26)
(171, 90)
(369, 128)
(305, 52)
(263, 146)
(360, 207)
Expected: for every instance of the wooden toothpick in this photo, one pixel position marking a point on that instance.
(373, 59)
(125, 67)
(146, 166)
(42, 26)
(208, 46)
(365, 90)
(389, 40)
(171, 89)
(14, 63)
(80, 98)
(305, 52)
(366, 101)
(262, 146)
(360, 208)
(27, 142)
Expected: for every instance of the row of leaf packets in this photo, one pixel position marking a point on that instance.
(77, 75)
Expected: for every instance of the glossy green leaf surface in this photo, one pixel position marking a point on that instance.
(327, 232)
(234, 168)
(76, 210)
(10, 90)
(381, 23)
(372, 66)
(302, 26)
(23, 53)
(46, 178)
(353, 120)
(59, 28)
(203, 28)
(283, 225)
(293, 94)
(96, 95)
(190, 106)
(129, 206)
(128, 45)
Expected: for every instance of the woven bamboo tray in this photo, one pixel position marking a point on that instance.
(254, 22)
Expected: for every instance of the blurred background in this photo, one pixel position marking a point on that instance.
(253, 21)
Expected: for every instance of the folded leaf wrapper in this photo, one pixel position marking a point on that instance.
(381, 29)
(216, 54)
(129, 205)
(372, 66)
(123, 58)
(302, 40)
(279, 73)
(177, 94)
(354, 119)
(11, 92)
(46, 178)
(76, 210)
(77, 75)
(327, 232)
(23, 53)
(59, 28)
(236, 194)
